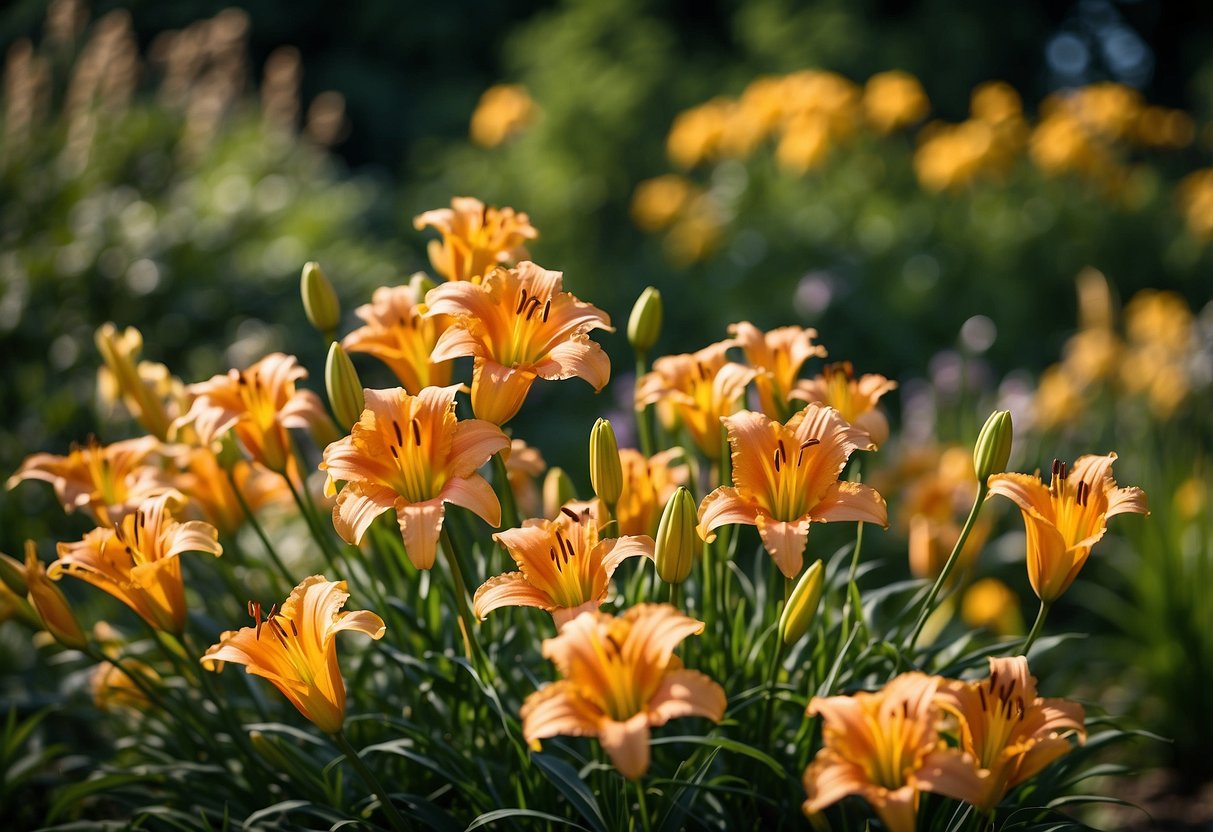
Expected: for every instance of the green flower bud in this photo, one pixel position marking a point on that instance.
(606, 472)
(677, 543)
(319, 299)
(557, 490)
(12, 575)
(644, 324)
(802, 605)
(229, 452)
(421, 283)
(993, 447)
(343, 386)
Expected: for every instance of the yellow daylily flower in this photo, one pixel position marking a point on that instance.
(619, 679)
(786, 477)
(150, 392)
(565, 568)
(703, 386)
(259, 404)
(1007, 734)
(854, 398)
(398, 334)
(518, 324)
(1066, 518)
(476, 238)
(107, 481)
(876, 745)
(293, 647)
(136, 561)
(647, 484)
(411, 454)
(777, 357)
(204, 481)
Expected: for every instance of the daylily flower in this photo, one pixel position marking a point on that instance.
(259, 403)
(518, 324)
(647, 484)
(876, 745)
(293, 647)
(786, 477)
(1007, 734)
(476, 238)
(108, 481)
(399, 335)
(522, 467)
(854, 399)
(150, 392)
(1064, 520)
(703, 386)
(411, 454)
(777, 356)
(565, 567)
(136, 561)
(205, 483)
(620, 678)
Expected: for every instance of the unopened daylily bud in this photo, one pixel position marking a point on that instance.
(51, 604)
(421, 283)
(606, 471)
(12, 575)
(802, 605)
(557, 490)
(319, 299)
(677, 543)
(343, 386)
(993, 447)
(644, 324)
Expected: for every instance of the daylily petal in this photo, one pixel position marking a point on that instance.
(722, 507)
(580, 357)
(627, 744)
(420, 526)
(686, 693)
(476, 495)
(557, 710)
(510, 589)
(474, 444)
(357, 507)
(851, 501)
(1027, 492)
(785, 541)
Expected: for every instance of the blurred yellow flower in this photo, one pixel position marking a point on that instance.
(991, 604)
(657, 202)
(951, 155)
(995, 103)
(1058, 399)
(205, 482)
(152, 395)
(1195, 197)
(476, 238)
(894, 99)
(933, 510)
(695, 134)
(397, 332)
(1191, 498)
(504, 110)
(804, 142)
(523, 467)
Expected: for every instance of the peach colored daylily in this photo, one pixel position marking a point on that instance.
(564, 567)
(703, 386)
(259, 404)
(293, 647)
(411, 454)
(619, 679)
(107, 481)
(518, 324)
(399, 335)
(854, 399)
(876, 745)
(476, 237)
(647, 484)
(1007, 734)
(777, 356)
(205, 483)
(786, 477)
(137, 563)
(1064, 520)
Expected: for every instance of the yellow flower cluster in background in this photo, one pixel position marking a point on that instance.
(504, 111)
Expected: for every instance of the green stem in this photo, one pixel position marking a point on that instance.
(471, 644)
(772, 675)
(1036, 627)
(265, 541)
(326, 546)
(505, 494)
(372, 782)
(929, 604)
(642, 806)
(643, 429)
(676, 596)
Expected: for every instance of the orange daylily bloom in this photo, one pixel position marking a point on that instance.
(876, 745)
(1064, 520)
(205, 483)
(108, 481)
(647, 484)
(298, 653)
(476, 238)
(1007, 734)
(620, 678)
(518, 324)
(786, 477)
(564, 567)
(137, 563)
(259, 403)
(522, 467)
(411, 454)
(934, 507)
(399, 335)
(704, 386)
(777, 356)
(150, 392)
(854, 398)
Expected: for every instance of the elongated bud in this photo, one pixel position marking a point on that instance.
(606, 472)
(319, 299)
(993, 447)
(677, 543)
(802, 605)
(51, 603)
(12, 575)
(344, 387)
(557, 490)
(644, 324)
